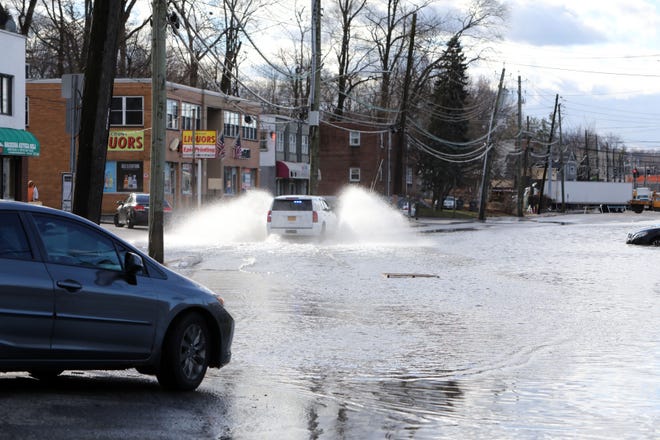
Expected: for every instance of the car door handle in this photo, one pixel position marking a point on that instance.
(70, 285)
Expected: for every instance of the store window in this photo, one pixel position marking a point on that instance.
(186, 179)
(127, 110)
(123, 177)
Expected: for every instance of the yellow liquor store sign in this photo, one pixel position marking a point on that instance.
(203, 142)
(122, 140)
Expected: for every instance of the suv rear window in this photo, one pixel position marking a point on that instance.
(292, 205)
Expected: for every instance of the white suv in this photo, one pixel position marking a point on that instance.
(302, 216)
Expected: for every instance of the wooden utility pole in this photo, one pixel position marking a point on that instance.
(401, 154)
(547, 155)
(519, 176)
(561, 165)
(158, 121)
(97, 96)
(314, 117)
(485, 179)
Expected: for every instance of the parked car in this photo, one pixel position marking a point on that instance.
(408, 208)
(648, 236)
(134, 211)
(75, 296)
(449, 202)
(301, 216)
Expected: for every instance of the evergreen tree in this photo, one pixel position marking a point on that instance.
(448, 123)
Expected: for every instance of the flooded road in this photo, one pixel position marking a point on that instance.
(521, 329)
(541, 328)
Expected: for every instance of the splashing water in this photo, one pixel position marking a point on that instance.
(364, 218)
(242, 219)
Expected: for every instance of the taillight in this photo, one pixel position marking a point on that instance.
(315, 217)
(270, 216)
(139, 208)
(167, 209)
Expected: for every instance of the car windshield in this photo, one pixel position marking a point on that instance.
(292, 205)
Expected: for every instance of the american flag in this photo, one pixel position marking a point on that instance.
(220, 146)
(237, 148)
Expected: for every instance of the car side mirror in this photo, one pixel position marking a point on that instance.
(133, 265)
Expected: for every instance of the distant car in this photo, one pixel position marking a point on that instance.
(134, 211)
(648, 236)
(74, 296)
(301, 216)
(449, 202)
(407, 207)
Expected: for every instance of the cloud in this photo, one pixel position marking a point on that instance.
(549, 25)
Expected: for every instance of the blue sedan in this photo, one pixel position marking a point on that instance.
(75, 296)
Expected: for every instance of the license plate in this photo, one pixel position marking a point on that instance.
(291, 218)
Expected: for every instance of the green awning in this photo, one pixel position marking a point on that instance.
(15, 142)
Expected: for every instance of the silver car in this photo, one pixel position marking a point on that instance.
(75, 296)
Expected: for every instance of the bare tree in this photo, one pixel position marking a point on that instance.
(345, 13)
(25, 10)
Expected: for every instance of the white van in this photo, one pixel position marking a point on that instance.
(301, 215)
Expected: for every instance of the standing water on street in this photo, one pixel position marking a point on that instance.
(523, 329)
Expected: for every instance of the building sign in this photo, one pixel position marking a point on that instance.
(204, 142)
(123, 177)
(126, 140)
(18, 143)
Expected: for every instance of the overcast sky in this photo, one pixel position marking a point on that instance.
(601, 56)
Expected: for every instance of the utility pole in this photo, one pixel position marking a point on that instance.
(401, 157)
(158, 121)
(561, 165)
(519, 207)
(313, 118)
(547, 154)
(485, 180)
(586, 152)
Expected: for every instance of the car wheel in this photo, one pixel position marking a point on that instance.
(655, 242)
(45, 375)
(129, 221)
(185, 356)
(116, 220)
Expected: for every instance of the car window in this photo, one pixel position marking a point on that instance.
(142, 200)
(13, 241)
(72, 243)
(292, 205)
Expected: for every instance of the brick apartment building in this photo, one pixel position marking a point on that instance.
(356, 154)
(211, 116)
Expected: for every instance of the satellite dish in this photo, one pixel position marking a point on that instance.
(174, 145)
(248, 119)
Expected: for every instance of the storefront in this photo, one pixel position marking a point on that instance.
(14, 146)
(292, 177)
